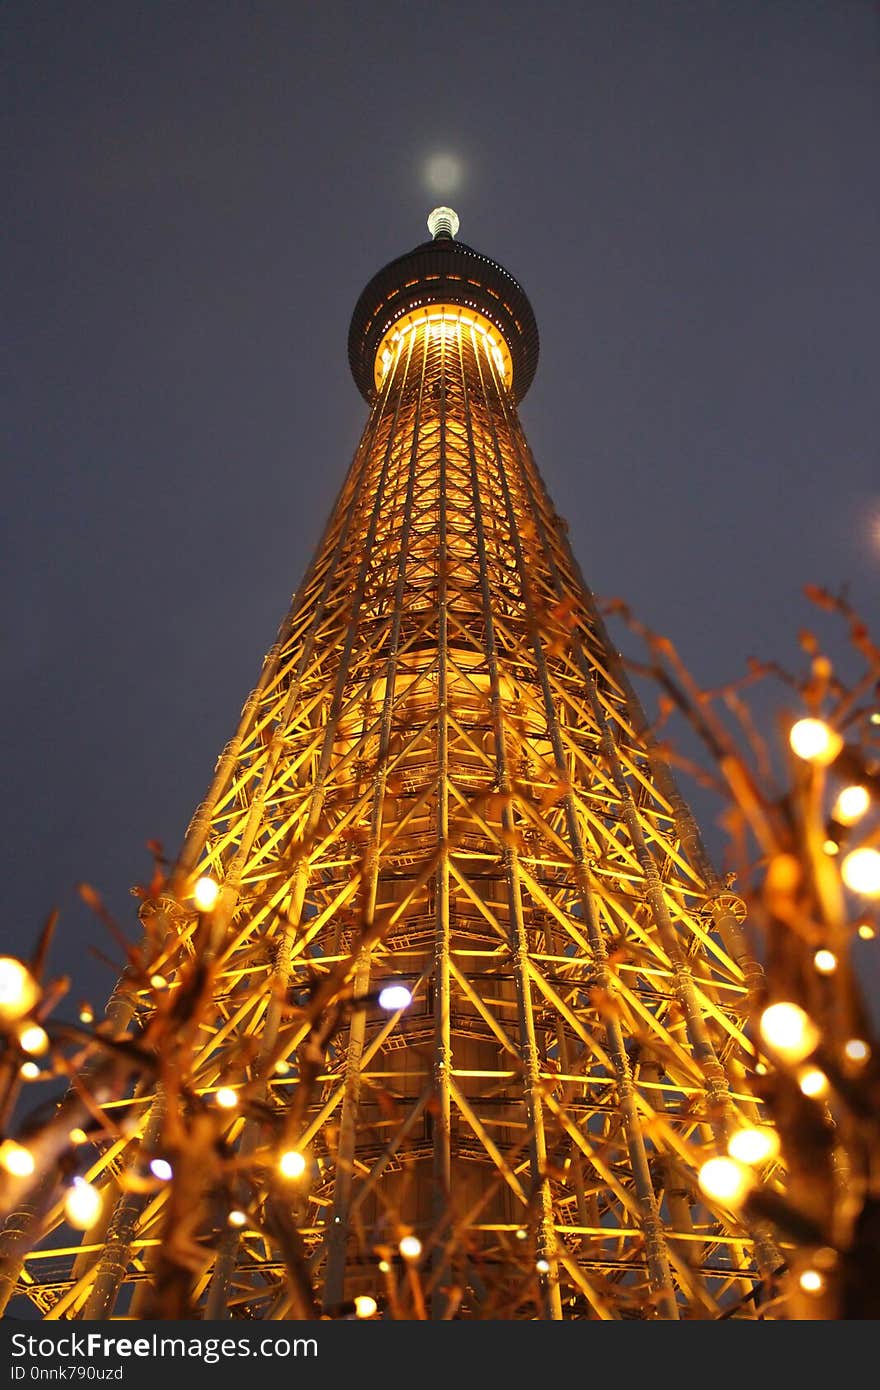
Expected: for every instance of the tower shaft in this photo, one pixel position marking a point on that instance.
(442, 780)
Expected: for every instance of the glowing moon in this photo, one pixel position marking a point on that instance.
(443, 174)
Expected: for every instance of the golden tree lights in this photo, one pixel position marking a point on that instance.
(808, 867)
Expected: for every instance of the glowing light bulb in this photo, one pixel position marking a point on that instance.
(282, 1068)
(384, 1266)
(33, 1039)
(158, 981)
(19, 990)
(851, 805)
(542, 1266)
(811, 1281)
(205, 893)
(813, 1082)
(237, 1217)
(860, 871)
(78, 1136)
(825, 962)
(82, 1205)
(410, 1247)
(831, 846)
(789, 1031)
(292, 1164)
(815, 741)
(161, 1169)
(866, 931)
(754, 1145)
(86, 1013)
(394, 997)
(365, 1306)
(522, 1233)
(875, 717)
(29, 1071)
(856, 1050)
(16, 1159)
(726, 1180)
(226, 1098)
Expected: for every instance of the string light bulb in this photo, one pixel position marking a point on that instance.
(78, 1136)
(789, 1031)
(365, 1306)
(825, 962)
(236, 1218)
(811, 1281)
(29, 1071)
(815, 741)
(856, 1050)
(542, 1266)
(82, 1205)
(860, 871)
(16, 1159)
(161, 1169)
(410, 1247)
(726, 1180)
(34, 1040)
(19, 990)
(205, 893)
(394, 997)
(226, 1098)
(86, 1013)
(813, 1082)
(866, 930)
(291, 1164)
(851, 804)
(754, 1145)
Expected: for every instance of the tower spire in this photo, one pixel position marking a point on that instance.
(443, 222)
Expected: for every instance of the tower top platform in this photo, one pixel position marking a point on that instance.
(443, 271)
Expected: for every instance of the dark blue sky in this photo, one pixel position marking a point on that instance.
(195, 196)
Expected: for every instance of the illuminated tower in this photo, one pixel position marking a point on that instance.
(442, 781)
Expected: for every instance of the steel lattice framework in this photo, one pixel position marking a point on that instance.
(443, 777)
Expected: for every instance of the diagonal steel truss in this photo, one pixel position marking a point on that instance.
(443, 777)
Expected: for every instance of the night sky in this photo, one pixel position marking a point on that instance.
(196, 193)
